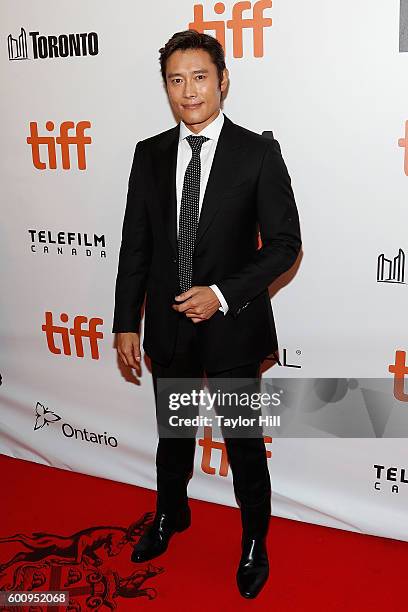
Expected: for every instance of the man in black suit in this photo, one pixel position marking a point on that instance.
(198, 195)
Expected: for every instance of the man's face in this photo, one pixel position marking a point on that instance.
(193, 87)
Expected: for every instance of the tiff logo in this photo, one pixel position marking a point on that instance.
(208, 445)
(400, 369)
(63, 140)
(89, 331)
(17, 47)
(391, 270)
(257, 22)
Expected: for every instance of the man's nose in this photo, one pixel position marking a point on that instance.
(190, 90)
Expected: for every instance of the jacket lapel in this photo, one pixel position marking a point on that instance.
(223, 173)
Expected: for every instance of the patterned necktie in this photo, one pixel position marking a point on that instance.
(189, 208)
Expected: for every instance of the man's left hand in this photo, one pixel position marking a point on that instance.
(198, 303)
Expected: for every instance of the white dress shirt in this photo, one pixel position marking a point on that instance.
(184, 154)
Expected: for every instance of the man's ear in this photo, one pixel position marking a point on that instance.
(224, 80)
(224, 85)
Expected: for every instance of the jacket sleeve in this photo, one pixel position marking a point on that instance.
(135, 252)
(280, 234)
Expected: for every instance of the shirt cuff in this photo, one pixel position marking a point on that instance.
(224, 306)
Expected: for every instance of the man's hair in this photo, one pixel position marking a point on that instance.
(191, 39)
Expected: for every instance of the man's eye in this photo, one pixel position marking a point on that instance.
(200, 76)
(176, 81)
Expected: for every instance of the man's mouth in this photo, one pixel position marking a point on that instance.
(192, 106)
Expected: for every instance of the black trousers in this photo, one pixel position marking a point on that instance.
(175, 456)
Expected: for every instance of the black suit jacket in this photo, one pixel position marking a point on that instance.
(248, 188)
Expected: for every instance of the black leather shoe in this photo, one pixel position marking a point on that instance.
(253, 569)
(156, 538)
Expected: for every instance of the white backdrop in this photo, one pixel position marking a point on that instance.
(332, 86)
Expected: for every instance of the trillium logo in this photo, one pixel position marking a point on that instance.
(44, 416)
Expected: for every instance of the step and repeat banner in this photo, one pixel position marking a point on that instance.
(81, 86)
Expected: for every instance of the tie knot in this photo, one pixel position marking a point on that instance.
(196, 142)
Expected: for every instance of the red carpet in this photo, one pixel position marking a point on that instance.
(311, 567)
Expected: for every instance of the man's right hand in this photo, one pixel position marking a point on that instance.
(129, 349)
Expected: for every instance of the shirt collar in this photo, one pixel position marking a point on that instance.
(212, 130)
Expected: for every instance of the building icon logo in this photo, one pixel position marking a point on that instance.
(51, 46)
(391, 270)
(17, 47)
